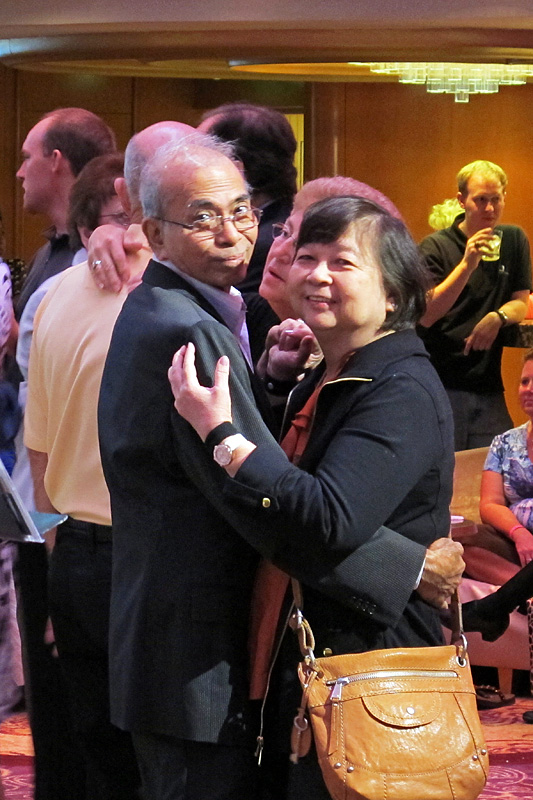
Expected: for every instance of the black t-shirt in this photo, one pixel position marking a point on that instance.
(490, 286)
(50, 259)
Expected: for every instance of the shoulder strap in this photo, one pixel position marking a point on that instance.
(306, 639)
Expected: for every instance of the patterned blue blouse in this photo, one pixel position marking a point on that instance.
(508, 456)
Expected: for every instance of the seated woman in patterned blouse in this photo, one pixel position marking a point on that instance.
(504, 543)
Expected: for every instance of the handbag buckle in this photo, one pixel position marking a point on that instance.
(462, 650)
(306, 640)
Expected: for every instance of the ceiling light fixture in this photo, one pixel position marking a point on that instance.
(461, 80)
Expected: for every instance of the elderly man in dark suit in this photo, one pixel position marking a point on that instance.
(182, 576)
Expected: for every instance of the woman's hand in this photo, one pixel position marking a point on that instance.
(494, 511)
(523, 540)
(202, 407)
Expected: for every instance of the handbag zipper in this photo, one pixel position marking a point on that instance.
(338, 683)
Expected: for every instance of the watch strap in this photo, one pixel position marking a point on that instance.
(219, 433)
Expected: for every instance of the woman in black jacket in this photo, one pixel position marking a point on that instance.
(371, 441)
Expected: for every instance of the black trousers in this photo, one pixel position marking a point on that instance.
(79, 593)
(178, 769)
(58, 764)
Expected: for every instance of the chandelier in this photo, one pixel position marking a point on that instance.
(461, 80)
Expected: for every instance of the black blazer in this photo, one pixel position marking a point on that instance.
(181, 575)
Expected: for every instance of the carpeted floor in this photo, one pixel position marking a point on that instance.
(509, 740)
(16, 758)
(510, 745)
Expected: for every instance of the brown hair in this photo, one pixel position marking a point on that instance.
(263, 141)
(79, 135)
(94, 186)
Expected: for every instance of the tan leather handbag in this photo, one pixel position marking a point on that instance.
(399, 724)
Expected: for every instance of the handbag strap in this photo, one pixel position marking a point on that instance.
(306, 640)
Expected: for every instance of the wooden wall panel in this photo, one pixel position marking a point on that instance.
(159, 99)
(411, 144)
(7, 155)
(126, 104)
(325, 130)
(398, 138)
(287, 96)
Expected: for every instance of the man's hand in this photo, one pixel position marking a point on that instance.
(49, 638)
(442, 572)
(475, 246)
(289, 349)
(484, 333)
(107, 254)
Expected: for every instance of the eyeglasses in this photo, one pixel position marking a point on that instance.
(280, 231)
(120, 218)
(210, 224)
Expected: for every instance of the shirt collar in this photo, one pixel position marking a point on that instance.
(53, 236)
(229, 305)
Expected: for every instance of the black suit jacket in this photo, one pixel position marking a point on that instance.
(181, 575)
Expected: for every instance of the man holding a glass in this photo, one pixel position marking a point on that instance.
(482, 273)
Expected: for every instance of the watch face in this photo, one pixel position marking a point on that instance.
(223, 454)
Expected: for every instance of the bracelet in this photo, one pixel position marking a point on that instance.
(504, 319)
(515, 528)
(218, 434)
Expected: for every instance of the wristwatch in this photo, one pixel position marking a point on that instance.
(503, 316)
(223, 452)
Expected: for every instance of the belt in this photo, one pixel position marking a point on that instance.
(98, 533)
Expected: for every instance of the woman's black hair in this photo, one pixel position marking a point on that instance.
(405, 276)
(263, 141)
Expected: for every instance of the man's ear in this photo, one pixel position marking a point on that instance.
(153, 230)
(60, 163)
(85, 235)
(123, 195)
(461, 199)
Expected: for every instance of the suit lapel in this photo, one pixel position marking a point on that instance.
(157, 274)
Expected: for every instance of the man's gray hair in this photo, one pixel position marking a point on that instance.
(196, 150)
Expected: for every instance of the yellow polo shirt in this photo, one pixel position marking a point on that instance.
(72, 332)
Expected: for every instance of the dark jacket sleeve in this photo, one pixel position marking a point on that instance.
(327, 528)
(345, 573)
(373, 460)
